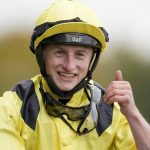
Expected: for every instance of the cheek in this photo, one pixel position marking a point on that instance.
(87, 65)
(84, 66)
(50, 64)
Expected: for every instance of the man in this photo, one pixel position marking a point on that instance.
(63, 108)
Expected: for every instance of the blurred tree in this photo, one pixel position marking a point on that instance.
(16, 61)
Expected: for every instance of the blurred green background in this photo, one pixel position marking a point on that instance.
(18, 63)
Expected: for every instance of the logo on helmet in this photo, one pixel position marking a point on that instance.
(76, 39)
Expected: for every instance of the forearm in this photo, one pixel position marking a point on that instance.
(140, 130)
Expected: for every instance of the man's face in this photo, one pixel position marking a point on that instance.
(67, 64)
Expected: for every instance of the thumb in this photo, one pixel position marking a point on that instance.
(118, 76)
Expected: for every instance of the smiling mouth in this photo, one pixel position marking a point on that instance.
(67, 75)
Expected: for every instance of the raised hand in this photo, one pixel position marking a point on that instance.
(120, 91)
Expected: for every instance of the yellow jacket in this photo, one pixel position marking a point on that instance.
(25, 124)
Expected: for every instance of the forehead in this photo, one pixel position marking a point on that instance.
(67, 47)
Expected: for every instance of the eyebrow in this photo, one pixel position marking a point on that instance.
(77, 48)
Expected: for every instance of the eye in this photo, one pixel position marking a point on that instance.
(59, 52)
(80, 54)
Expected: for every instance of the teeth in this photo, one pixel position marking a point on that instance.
(67, 74)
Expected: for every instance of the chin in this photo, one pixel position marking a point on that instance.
(65, 88)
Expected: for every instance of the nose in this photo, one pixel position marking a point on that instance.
(69, 63)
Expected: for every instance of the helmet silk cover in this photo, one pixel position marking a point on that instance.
(69, 16)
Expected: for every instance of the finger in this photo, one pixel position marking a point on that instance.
(118, 76)
(116, 92)
(119, 98)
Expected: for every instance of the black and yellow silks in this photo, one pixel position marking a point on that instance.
(25, 124)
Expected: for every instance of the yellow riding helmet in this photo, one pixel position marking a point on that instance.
(68, 16)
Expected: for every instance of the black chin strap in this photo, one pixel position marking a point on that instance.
(64, 94)
(93, 64)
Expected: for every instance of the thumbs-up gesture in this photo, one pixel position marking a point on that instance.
(120, 91)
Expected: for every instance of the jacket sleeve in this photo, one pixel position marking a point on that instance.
(10, 131)
(124, 139)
